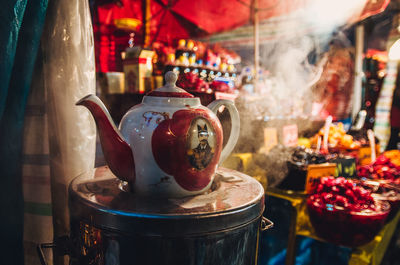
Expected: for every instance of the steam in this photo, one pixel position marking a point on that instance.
(292, 62)
(331, 14)
(287, 88)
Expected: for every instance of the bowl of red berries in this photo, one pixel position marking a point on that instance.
(384, 190)
(382, 169)
(345, 213)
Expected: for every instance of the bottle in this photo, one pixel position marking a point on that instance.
(247, 81)
(360, 121)
(180, 49)
(210, 76)
(203, 74)
(131, 51)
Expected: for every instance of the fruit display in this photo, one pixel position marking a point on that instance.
(394, 156)
(201, 67)
(345, 213)
(196, 53)
(343, 194)
(190, 81)
(384, 191)
(337, 138)
(361, 137)
(221, 87)
(382, 169)
(297, 168)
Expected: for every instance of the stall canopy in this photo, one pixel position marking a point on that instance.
(166, 20)
(169, 20)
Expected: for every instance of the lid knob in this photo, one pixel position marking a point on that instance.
(170, 89)
(170, 78)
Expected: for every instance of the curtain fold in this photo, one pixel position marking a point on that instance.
(58, 138)
(38, 222)
(20, 31)
(385, 98)
(11, 16)
(69, 74)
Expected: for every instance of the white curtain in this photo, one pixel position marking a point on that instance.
(69, 74)
(38, 222)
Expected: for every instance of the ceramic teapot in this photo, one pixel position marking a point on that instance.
(169, 145)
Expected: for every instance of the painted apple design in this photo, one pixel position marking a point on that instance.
(188, 147)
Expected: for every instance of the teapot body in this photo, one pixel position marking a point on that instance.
(169, 145)
(176, 144)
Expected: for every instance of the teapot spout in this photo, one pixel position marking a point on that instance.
(117, 152)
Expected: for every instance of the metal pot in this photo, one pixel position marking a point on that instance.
(112, 226)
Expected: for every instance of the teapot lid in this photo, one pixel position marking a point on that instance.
(170, 89)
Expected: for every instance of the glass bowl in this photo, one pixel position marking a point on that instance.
(389, 192)
(348, 228)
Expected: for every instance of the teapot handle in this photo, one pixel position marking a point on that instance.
(235, 128)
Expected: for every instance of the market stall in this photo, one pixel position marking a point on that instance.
(332, 144)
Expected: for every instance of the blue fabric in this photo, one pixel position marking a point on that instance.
(11, 14)
(346, 123)
(308, 251)
(20, 32)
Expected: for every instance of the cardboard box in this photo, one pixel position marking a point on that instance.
(115, 82)
(138, 69)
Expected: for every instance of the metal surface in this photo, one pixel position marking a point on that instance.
(233, 200)
(266, 224)
(61, 246)
(39, 249)
(237, 246)
(111, 225)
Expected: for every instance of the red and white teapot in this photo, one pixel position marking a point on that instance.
(169, 145)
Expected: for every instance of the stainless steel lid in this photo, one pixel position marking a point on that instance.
(99, 199)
